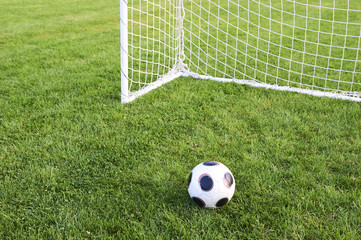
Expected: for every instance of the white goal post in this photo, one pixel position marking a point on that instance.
(306, 46)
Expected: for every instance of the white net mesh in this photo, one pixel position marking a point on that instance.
(311, 45)
(153, 45)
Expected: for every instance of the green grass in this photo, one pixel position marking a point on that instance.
(76, 164)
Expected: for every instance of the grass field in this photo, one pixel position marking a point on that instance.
(77, 164)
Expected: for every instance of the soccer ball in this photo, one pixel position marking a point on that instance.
(211, 184)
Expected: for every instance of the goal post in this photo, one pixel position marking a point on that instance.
(124, 50)
(306, 46)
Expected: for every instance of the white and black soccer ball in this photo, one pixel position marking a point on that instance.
(211, 184)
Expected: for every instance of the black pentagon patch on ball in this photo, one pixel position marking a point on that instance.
(206, 183)
(228, 179)
(210, 163)
(199, 201)
(221, 202)
(190, 178)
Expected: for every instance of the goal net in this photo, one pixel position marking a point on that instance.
(307, 46)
